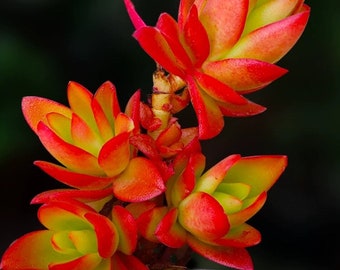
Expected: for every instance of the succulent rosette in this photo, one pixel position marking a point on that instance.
(91, 141)
(76, 237)
(223, 50)
(208, 211)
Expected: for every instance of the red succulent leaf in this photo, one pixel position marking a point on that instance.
(237, 258)
(209, 116)
(196, 38)
(80, 100)
(114, 156)
(22, 253)
(84, 136)
(133, 110)
(254, 205)
(186, 181)
(69, 155)
(224, 22)
(218, 90)
(36, 108)
(259, 172)
(170, 232)
(210, 180)
(156, 45)
(240, 236)
(106, 95)
(84, 196)
(169, 28)
(184, 9)
(248, 109)
(271, 42)
(146, 144)
(244, 75)
(203, 216)
(148, 222)
(135, 18)
(127, 229)
(104, 125)
(106, 232)
(74, 179)
(148, 120)
(140, 181)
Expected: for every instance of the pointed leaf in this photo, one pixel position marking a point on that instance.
(240, 236)
(269, 12)
(32, 251)
(259, 172)
(73, 179)
(80, 100)
(127, 229)
(169, 29)
(210, 180)
(135, 18)
(140, 181)
(155, 44)
(106, 232)
(209, 117)
(271, 42)
(218, 90)
(251, 207)
(169, 232)
(148, 222)
(35, 110)
(106, 95)
(115, 154)
(244, 75)
(245, 110)
(84, 137)
(237, 258)
(70, 156)
(196, 38)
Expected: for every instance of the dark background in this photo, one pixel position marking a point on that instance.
(46, 43)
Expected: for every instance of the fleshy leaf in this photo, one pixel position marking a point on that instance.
(32, 251)
(140, 181)
(209, 116)
(240, 236)
(196, 38)
(251, 207)
(170, 232)
(271, 42)
(259, 172)
(127, 229)
(74, 179)
(224, 22)
(244, 75)
(155, 44)
(114, 156)
(210, 180)
(80, 100)
(237, 258)
(203, 216)
(148, 221)
(67, 154)
(36, 108)
(106, 232)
